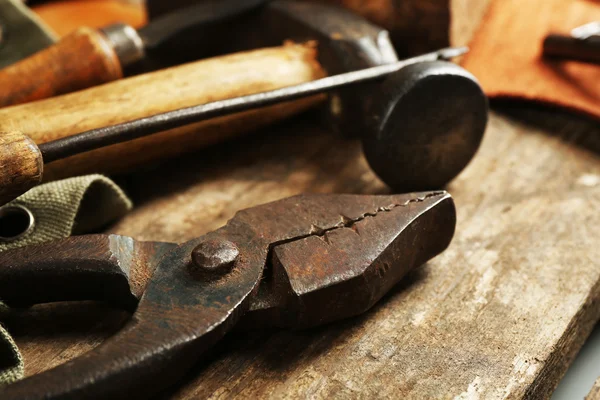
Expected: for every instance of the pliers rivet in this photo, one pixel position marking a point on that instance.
(213, 258)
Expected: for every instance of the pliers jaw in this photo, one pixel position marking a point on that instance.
(297, 262)
(343, 271)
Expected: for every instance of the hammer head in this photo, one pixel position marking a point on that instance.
(425, 126)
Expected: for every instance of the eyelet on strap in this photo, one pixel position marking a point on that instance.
(15, 222)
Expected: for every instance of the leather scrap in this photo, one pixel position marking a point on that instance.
(506, 54)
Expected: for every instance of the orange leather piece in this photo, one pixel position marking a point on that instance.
(64, 17)
(506, 54)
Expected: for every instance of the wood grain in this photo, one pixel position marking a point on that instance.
(499, 315)
(594, 394)
(64, 17)
(80, 60)
(183, 86)
(21, 165)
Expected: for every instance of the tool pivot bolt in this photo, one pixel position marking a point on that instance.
(213, 258)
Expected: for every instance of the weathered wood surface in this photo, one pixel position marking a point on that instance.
(499, 315)
(594, 394)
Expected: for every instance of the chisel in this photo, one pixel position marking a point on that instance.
(90, 57)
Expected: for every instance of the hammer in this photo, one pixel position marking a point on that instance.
(420, 127)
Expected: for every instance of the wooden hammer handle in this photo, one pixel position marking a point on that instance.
(80, 60)
(166, 90)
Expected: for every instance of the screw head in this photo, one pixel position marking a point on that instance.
(213, 258)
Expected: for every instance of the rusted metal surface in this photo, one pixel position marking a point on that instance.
(341, 272)
(293, 256)
(109, 268)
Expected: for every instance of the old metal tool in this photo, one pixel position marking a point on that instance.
(420, 139)
(583, 44)
(89, 57)
(407, 144)
(299, 262)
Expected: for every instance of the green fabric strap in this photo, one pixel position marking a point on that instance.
(11, 362)
(60, 209)
(22, 34)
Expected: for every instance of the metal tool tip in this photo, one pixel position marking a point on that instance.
(452, 52)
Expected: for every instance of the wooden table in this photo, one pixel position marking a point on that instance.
(500, 314)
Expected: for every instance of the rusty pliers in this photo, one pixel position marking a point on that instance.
(299, 262)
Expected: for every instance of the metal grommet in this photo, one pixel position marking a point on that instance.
(15, 222)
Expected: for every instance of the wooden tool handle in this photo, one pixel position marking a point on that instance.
(64, 17)
(21, 165)
(182, 86)
(80, 60)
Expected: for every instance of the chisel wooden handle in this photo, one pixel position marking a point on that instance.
(170, 89)
(64, 17)
(21, 165)
(80, 60)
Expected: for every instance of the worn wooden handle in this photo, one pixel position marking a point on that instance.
(80, 60)
(64, 17)
(183, 86)
(21, 165)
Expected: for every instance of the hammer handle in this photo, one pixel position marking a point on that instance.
(80, 60)
(161, 91)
